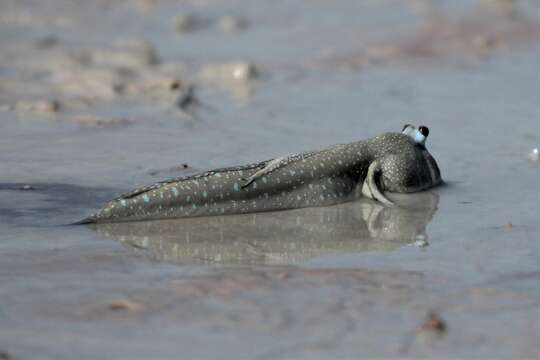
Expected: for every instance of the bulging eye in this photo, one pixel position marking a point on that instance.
(424, 130)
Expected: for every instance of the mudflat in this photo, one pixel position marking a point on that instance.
(98, 97)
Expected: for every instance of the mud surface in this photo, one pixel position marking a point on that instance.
(100, 97)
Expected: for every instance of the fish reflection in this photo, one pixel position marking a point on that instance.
(282, 237)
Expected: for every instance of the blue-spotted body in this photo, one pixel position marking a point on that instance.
(396, 162)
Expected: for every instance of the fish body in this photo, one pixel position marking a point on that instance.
(394, 162)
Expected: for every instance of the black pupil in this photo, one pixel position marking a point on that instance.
(424, 130)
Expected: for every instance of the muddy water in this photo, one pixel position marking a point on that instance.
(95, 100)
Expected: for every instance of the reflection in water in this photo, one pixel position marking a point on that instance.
(282, 237)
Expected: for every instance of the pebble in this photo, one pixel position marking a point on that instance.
(434, 324)
(123, 305)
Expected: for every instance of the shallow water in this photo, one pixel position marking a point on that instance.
(310, 283)
(281, 237)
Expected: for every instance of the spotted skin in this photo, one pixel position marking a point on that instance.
(333, 175)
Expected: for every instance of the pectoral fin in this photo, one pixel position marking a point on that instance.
(369, 187)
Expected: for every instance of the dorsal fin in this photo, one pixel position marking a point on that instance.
(275, 164)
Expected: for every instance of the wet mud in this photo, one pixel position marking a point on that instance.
(99, 97)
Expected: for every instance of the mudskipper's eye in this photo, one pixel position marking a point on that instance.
(424, 130)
